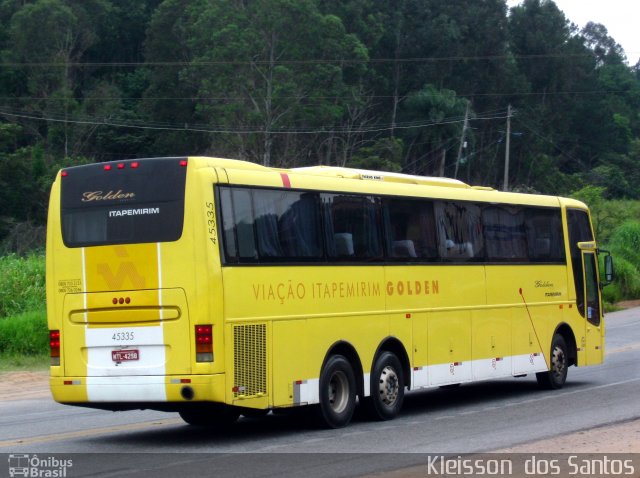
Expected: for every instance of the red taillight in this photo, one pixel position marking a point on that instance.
(64, 174)
(120, 165)
(107, 167)
(204, 343)
(135, 164)
(183, 163)
(54, 344)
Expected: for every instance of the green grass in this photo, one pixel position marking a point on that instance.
(22, 284)
(19, 363)
(625, 249)
(24, 334)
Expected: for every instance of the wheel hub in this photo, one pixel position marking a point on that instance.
(338, 392)
(389, 385)
(558, 362)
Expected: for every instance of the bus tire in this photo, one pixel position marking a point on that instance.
(555, 378)
(209, 415)
(387, 388)
(337, 393)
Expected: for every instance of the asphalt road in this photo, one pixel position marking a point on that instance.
(472, 418)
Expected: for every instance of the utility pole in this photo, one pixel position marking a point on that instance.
(464, 130)
(505, 185)
(444, 157)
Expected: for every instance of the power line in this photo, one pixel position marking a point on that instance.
(339, 61)
(249, 130)
(298, 97)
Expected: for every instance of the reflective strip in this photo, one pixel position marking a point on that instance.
(126, 389)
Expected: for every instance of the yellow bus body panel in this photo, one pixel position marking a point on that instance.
(273, 325)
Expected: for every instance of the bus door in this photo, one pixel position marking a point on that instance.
(592, 309)
(587, 290)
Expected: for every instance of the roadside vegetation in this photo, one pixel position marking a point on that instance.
(23, 322)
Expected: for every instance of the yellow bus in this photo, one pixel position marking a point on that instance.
(215, 288)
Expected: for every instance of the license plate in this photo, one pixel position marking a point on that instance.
(125, 355)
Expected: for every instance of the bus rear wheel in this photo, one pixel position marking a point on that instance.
(209, 415)
(557, 374)
(387, 388)
(337, 393)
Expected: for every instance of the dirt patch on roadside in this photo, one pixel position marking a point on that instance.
(618, 438)
(24, 385)
(628, 304)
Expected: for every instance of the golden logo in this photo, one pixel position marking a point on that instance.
(108, 196)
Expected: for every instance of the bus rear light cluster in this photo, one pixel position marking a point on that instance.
(121, 300)
(204, 343)
(54, 344)
(133, 165)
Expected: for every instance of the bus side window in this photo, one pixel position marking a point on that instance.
(228, 226)
(410, 229)
(544, 235)
(243, 221)
(459, 225)
(299, 227)
(505, 233)
(352, 227)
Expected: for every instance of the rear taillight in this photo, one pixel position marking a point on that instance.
(204, 343)
(54, 344)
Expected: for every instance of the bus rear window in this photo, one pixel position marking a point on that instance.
(124, 202)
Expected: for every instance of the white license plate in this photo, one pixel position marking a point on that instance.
(125, 355)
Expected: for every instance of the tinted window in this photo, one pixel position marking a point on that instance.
(270, 225)
(411, 230)
(459, 226)
(505, 233)
(545, 238)
(522, 234)
(123, 205)
(352, 227)
(280, 225)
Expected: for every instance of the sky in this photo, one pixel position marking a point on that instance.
(619, 16)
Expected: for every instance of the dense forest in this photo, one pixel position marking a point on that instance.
(426, 87)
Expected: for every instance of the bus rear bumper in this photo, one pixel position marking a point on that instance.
(142, 389)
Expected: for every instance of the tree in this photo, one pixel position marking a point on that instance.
(46, 41)
(432, 120)
(251, 70)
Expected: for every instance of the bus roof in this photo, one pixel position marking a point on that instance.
(351, 173)
(388, 177)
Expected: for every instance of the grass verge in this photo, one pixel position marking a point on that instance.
(24, 335)
(21, 363)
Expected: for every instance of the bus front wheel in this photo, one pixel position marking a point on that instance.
(387, 388)
(337, 393)
(557, 374)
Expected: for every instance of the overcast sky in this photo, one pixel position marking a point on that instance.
(621, 18)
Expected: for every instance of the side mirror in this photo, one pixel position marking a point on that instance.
(609, 275)
(608, 269)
